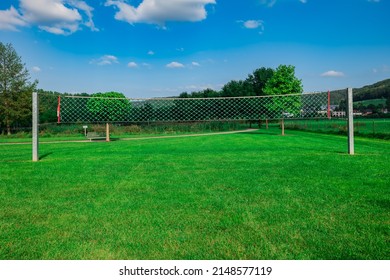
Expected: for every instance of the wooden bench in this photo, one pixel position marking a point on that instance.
(95, 136)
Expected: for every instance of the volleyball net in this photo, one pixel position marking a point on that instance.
(77, 109)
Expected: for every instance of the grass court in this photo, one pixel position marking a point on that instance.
(254, 195)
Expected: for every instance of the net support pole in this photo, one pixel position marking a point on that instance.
(59, 110)
(329, 115)
(351, 142)
(107, 132)
(35, 129)
(282, 127)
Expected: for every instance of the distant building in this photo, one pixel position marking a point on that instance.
(339, 114)
(332, 107)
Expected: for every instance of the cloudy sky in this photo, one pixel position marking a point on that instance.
(153, 48)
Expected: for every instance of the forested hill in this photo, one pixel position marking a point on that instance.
(375, 91)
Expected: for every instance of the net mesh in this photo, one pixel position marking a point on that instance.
(73, 109)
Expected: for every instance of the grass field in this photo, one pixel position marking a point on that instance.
(251, 195)
(376, 102)
(374, 128)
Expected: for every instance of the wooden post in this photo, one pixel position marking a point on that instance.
(266, 123)
(282, 127)
(107, 132)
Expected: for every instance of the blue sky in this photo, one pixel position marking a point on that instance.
(153, 48)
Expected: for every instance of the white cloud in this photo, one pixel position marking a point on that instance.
(88, 11)
(332, 73)
(36, 69)
(194, 63)
(252, 24)
(61, 17)
(150, 52)
(382, 69)
(47, 11)
(271, 3)
(11, 19)
(60, 29)
(132, 64)
(200, 87)
(374, 1)
(175, 64)
(161, 11)
(105, 60)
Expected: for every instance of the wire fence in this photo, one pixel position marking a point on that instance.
(368, 127)
(76, 109)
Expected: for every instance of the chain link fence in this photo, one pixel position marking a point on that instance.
(76, 109)
(367, 127)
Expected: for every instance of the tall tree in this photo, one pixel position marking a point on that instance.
(259, 78)
(236, 88)
(15, 88)
(283, 81)
(109, 107)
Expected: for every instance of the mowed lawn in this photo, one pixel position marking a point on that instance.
(252, 195)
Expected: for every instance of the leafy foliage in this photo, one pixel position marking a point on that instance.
(263, 81)
(15, 88)
(259, 78)
(109, 106)
(283, 81)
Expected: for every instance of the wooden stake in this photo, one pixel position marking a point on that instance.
(107, 132)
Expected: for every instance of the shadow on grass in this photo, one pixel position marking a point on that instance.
(263, 132)
(45, 155)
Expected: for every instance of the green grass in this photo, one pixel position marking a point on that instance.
(75, 132)
(374, 128)
(376, 102)
(240, 196)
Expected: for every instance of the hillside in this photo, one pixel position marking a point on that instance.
(379, 90)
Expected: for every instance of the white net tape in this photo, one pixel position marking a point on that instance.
(74, 109)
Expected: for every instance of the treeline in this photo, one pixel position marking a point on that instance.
(379, 90)
(375, 91)
(263, 81)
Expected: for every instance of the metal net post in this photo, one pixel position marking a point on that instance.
(351, 143)
(35, 127)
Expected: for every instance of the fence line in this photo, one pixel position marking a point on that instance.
(74, 109)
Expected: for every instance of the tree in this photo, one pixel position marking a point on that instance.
(15, 88)
(236, 88)
(109, 107)
(283, 81)
(259, 78)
